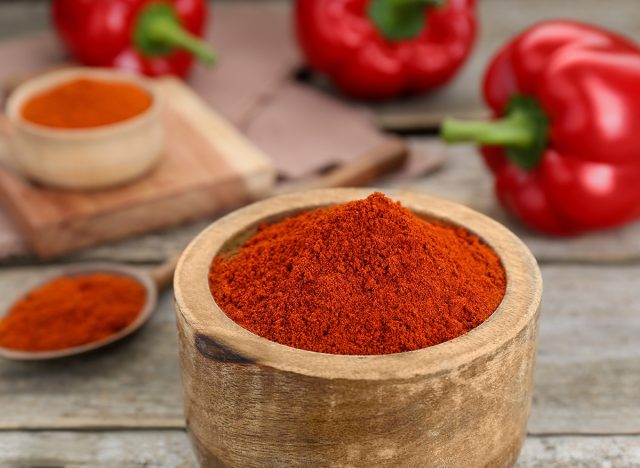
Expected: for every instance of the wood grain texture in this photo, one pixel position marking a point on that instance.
(588, 368)
(133, 383)
(587, 333)
(586, 380)
(584, 452)
(171, 449)
(253, 402)
(463, 179)
(207, 166)
(131, 449)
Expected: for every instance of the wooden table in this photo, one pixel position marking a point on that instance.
(122, 406)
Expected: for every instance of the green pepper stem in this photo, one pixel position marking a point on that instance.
(515, 130)
(523, 132)
(158, 32)
(167, 31)
(399, 20)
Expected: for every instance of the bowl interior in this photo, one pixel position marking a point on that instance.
(49, 80)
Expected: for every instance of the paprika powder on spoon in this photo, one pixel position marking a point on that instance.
(367, 277)
(71, 311)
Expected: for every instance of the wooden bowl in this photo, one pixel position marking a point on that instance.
(86, 158)
(252, 402)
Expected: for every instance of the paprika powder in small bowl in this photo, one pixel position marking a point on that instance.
(433, 368)
(84, 128)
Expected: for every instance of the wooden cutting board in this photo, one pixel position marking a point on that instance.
(208, 166)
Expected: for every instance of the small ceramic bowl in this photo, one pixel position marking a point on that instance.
(252, 402)
(87, 158)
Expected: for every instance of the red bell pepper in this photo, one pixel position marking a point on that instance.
(565, 145)
(378, 49)
(150, 37)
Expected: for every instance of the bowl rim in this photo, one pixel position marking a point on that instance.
(48, 80)
(195, 304)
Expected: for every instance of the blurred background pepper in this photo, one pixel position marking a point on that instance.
(565, 145)
(149, 37)
(378, 49)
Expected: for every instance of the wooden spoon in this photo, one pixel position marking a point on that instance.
(375, 163)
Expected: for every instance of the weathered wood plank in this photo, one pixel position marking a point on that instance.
(463, 179)
(171, 449)
(134, 383)
(588, 367)
(150, 248)
(586, 452)
(23, 17)
(103, 449)
(587, 376)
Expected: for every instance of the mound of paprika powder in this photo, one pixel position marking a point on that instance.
(86, 103)
(71, 311)
(367, 277)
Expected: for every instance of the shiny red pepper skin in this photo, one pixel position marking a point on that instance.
(339, 40)
(99, 33)
(587, 82)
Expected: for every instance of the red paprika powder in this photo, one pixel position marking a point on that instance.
(72, 311)
(366, 277)
(86, 103)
